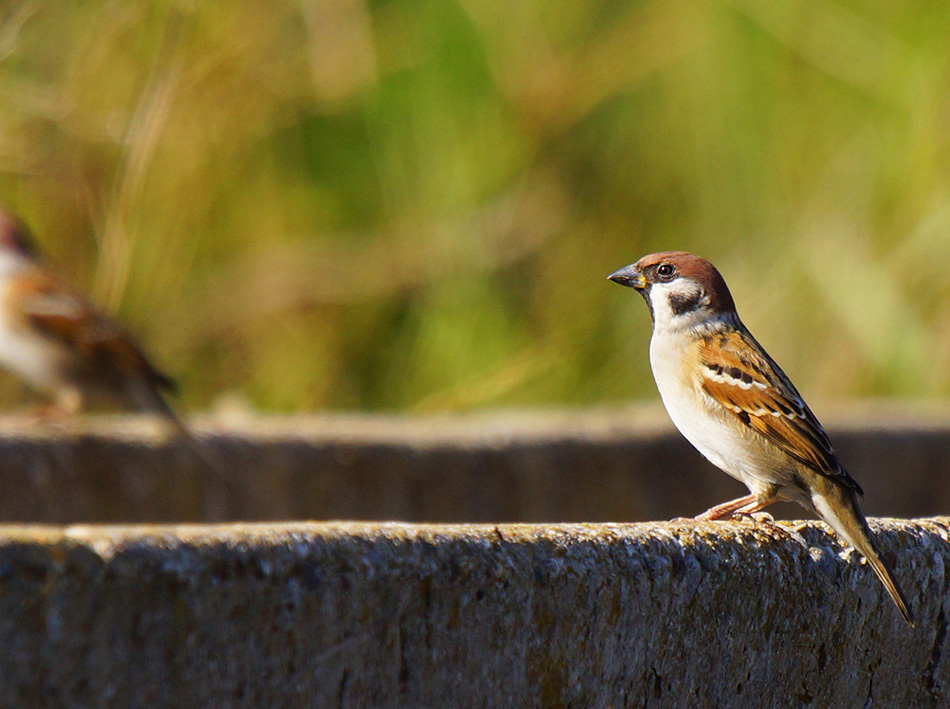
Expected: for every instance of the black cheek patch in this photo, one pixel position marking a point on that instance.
(684, 303)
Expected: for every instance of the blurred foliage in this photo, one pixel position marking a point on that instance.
(413, 204)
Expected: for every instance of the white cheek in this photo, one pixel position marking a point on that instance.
(660, 294)
(12, 263)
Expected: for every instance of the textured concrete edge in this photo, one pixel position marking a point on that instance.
(106, 540)
(491, 427)
(395, 614)
(275, 532)
(593, 465)
(907, 544)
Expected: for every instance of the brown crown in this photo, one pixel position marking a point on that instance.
(694, 268)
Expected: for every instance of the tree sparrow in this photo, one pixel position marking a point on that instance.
(738, 408)
(64, 347)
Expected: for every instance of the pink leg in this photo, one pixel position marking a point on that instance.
(747, 505)
(726, 508)
(759, 504)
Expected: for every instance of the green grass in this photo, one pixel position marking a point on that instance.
(413, 205)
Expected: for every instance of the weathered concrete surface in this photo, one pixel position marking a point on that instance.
(354, 615)
(622, 464)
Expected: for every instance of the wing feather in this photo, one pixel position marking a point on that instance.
(740, 376)
(56, 311)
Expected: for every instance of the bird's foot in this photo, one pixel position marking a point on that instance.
(47, 414)
(755, 517)
(764, 519)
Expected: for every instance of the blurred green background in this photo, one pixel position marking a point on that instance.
(413, 204)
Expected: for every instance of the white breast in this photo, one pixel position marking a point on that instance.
(735, 449)
(22, 351)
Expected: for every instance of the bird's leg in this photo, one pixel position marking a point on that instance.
(69, 401)
(65, 405)
(44, 413)
(742, 507)
(757, 504)
(726, 509)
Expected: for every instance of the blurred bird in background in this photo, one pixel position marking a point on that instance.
(65, 348)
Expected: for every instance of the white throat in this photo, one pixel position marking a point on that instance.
(668, 301)
(12, 263)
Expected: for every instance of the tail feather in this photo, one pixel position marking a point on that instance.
(215, 509)
(840, 510)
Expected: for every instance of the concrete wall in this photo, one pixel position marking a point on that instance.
(607, 465)
(353, 615)
(357, 615)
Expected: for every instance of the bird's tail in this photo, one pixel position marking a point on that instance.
(215, 506)
(839, 508)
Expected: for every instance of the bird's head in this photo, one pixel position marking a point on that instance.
(680, 288)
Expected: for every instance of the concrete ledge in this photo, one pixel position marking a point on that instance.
(604, 465)
(360, 615)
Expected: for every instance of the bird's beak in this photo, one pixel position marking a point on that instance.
(629, 276)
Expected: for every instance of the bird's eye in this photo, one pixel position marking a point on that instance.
(665, 270)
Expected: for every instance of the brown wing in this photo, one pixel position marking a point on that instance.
(58, 312)
(740, 376)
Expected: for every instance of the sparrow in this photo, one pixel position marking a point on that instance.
(730, 399)
(62, 346)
